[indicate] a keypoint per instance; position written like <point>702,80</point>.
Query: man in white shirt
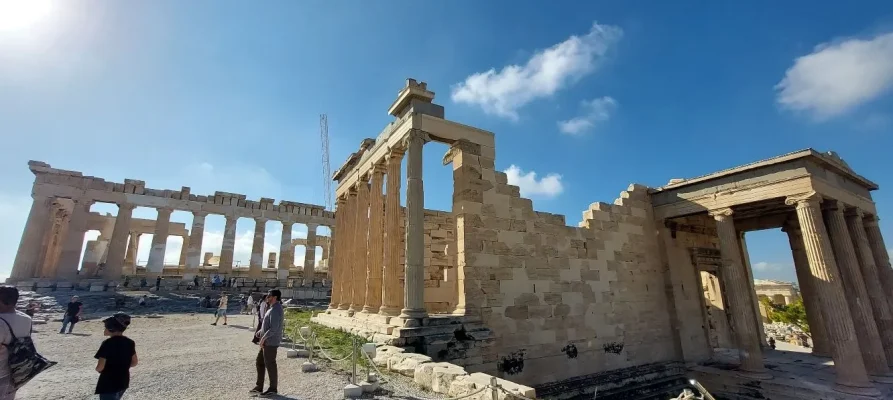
<point>20,323</point>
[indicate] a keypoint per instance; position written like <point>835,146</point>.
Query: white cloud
<point>595,111</point>
<point>545,73</point>
<point>767,266</point>
<point>548,186</point>
<point>839,76</point>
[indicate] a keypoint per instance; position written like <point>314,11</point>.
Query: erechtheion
<point>60,215</point>
<point>618,301</point>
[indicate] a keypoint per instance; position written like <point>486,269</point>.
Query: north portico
<point>840,258</point>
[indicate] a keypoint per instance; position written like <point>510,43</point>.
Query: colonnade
<point>32,256</point>
<point>843,269</point>
<point>367,257</point>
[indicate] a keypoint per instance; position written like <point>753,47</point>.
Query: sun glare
<point>18,15</point>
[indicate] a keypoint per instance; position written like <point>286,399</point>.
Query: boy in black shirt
<point>116,355</point>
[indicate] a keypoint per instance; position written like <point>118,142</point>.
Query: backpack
<point>24,362</point>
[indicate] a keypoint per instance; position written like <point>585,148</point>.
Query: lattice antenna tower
<point>326,166</point>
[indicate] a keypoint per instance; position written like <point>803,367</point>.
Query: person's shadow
<point>240,327</point>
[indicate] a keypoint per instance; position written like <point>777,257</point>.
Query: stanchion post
<point>354,361</point>
<point>494,388</point>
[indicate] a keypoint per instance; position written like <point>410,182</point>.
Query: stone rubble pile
<point>786,332</point>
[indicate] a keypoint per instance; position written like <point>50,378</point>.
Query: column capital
<point>870,220</point>
<point>231,218</point>
<point>166,210</point>
<point>199,213</point>
<point>415,136</point>
<point>260,220</point>
<point>379,169</point>
<point>84,203</point>
<point>396,153</point>
<point>287,223</point>
<point>362,179</point>
<point>126,206</point>
<point>854,213</point>
<point>721,214</point>
<point>804,200</point>
<point>341,200</point>
<point>352,191</point>
<point>311,226</point>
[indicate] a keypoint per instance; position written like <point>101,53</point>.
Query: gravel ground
<point>183,357</point>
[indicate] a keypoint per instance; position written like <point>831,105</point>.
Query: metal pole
<point>354,376</point>
<point>494,392</point>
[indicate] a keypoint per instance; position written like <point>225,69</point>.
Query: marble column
<point>392,290</point>
<point>854,288</point>
<point>310,255</point>
<point>155,265</point>
<point>376,241</point>
<point>361,244</point>
<point>879,303</point>
<point>807,284</point>
<point>133,244</point>
<point>256,265</point>
<point>736,288</point>
<point>348,263</point>
<point>29,254</point>
<point>114,267</point>
<point>69,259</point>
<point>184,250</point>
<point>286,251</point>
<point>848,363</point>
<point>54,239</point>
<point>225,265</point>
<point>414,288</point>
<point>881,257</point>
<point>194,250</point>
<point>336,266</point>
<point>758,321</point>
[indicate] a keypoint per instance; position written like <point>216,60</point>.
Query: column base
<point>760,376</point>
<point>886,378</point>
<point>282,274</point>
<point>869,391</point>
<point>389,311</point>
<point>413,317</point>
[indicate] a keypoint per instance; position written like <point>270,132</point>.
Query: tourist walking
<point>72,314</point>
<point>195,281</point>
<point>221,309</point>
<point>157,283</point>
<point>249,309</point>
<point>115,357</point>
<point>269,337</point>
<point>18,325</point>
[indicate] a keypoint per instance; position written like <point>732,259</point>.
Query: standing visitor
<point>157,283</point>
<point>270,336</point>
<point>32,309</point>
<point>17,324</point>
<point>72,314</point>
<point>221,309</point>
<point>250,309</point>
<point>115,357</point>
<point>195,281</point>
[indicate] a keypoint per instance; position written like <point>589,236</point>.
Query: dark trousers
<point>266,362</point>
<point>112,396</point>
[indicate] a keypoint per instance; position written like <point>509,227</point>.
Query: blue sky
<point>222,95</point>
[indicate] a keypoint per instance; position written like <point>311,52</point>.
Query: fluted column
<point>29,254</point>
<point>737,292</point>
<point>758,322</point>
<point>335,265</point>
<point>194,248</point>
<point>811,302</point>
<point>54,237</point>
<point>361,244</point>
<point>286,250</point>
<point>881,257</point>
<point>855,292</point>
<point>392,290</point>
<point>256,264</point>
<point>310,255</point>
<point>114,266</point>
<point>348,264</point>
<point>414,287</point>
<point>879,303</point>
<point>184,250</point>
<point>155,265</point>
<point>133,244</point>
<point>225,265</point>
<point>376,243</point>
<point>848,363</point>
<point>69,259</point>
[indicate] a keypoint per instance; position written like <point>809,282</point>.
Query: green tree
<point>794,313</point>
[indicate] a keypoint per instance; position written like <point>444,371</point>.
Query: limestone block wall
<point>561,301</point>
<point>440,260</point>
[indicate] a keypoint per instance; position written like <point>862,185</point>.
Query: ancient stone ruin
<point>50,251</point>
<point>622,301</point>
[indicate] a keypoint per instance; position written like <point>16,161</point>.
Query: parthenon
<point>616,302</point>
<point>60,216</point>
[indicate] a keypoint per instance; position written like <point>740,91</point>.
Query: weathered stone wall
<point>440,259</point>
<point>561,301</point>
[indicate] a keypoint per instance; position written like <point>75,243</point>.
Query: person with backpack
<point>115,357</point>
<point>19,361</point>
